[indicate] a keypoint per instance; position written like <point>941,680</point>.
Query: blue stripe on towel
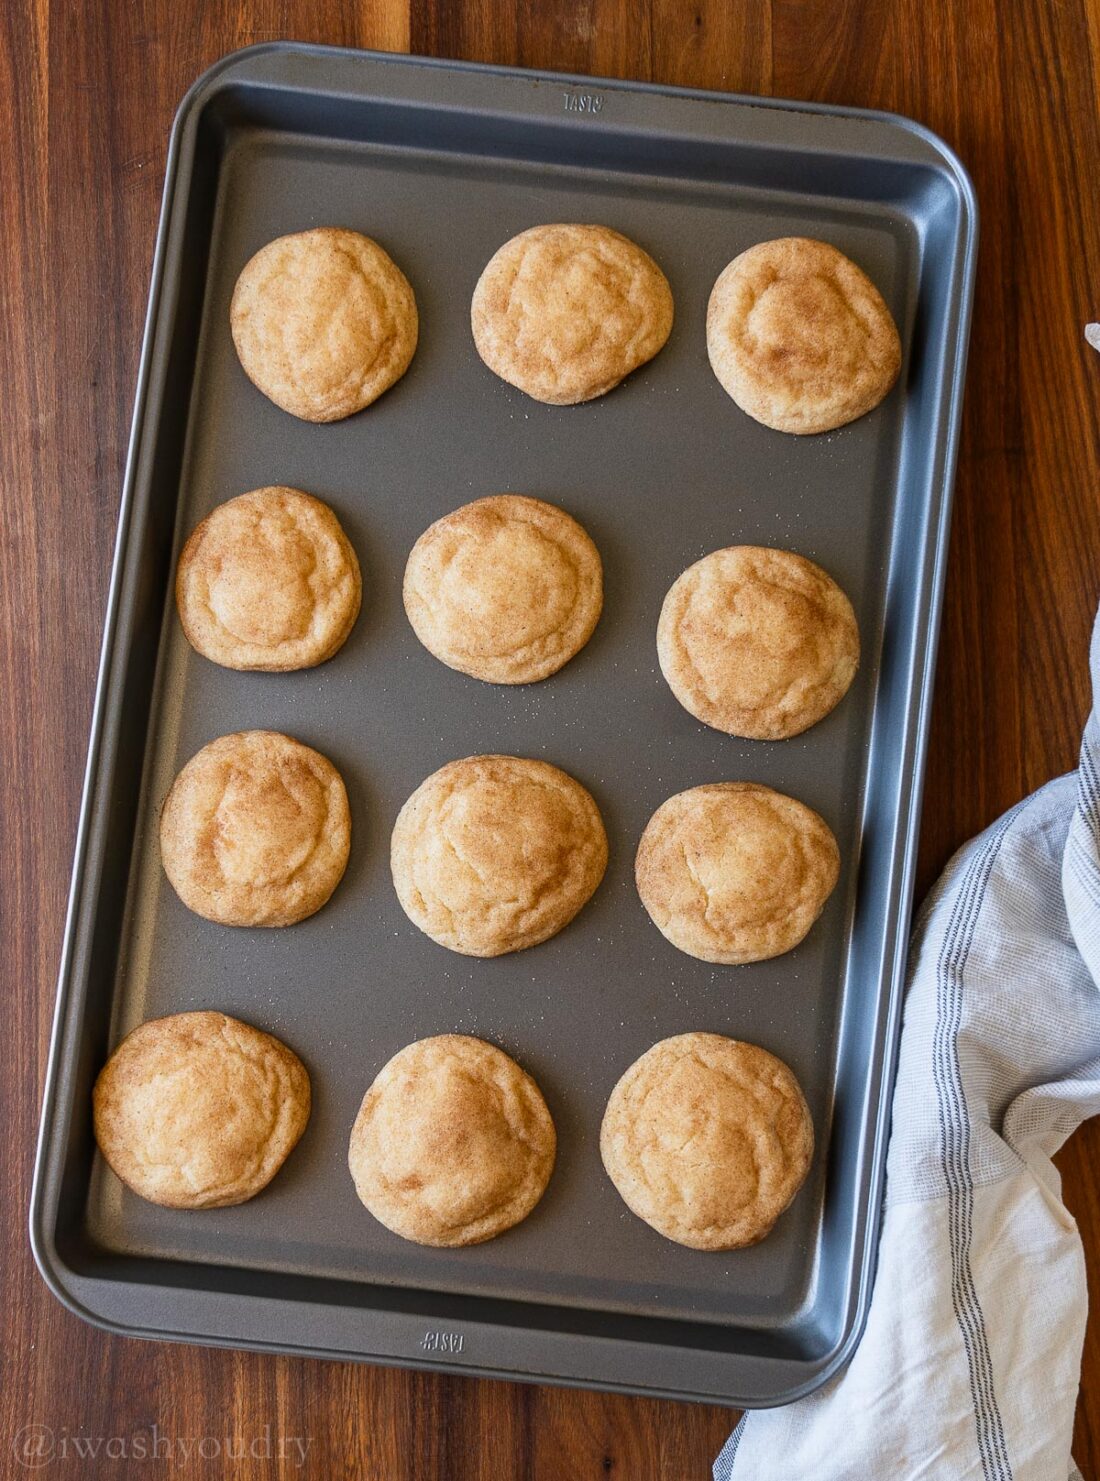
<point>955,1134</point>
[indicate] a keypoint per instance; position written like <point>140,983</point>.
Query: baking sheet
<point>441,163</point>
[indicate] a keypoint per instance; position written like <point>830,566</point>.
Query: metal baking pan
<point>442,162</point>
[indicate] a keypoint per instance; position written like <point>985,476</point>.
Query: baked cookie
<point>268,581</point>
<point>733,872</point>
<point>506,589</point>
<point>453,1143</point>
<point>565,312</point>
<point>199,1110</point>
<point>255,830</point>
<point>324,321</point>
<point>496,853</point>
<point>708,1140</point>
<point>757,643</point>
<point>799,336</point>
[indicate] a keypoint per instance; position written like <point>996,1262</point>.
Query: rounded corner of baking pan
<point>54,1270</point>
<point>947,159</point>
<point>234,66</point>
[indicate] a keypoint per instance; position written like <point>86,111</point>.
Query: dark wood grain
<point>88,93</point>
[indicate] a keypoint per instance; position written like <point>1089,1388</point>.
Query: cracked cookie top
<point>734,872</point>
<point>496,853</point>
<point>256,830</point>
<point>565,312</point>
<point>800,337</point>
<point>453,1143</point>
<point>506,589</point>
<point>708,1140</point>
<point>323,322</point>
<point>268,581</point>
<point>757,643</point>
<point>199,1110</point>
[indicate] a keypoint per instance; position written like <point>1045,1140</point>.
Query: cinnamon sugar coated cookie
<point>708,1140</point>
<point>324,321</point>
<point>268,581</point>
<point>800,337</point>
<point>565,312</point>
<point>506,589</point>
<point>733,872</point>
<point>256,830</point>
<point>453,1143</point>
<point>199,1110</point>
<point>496,853</point>
<point>757,643</point>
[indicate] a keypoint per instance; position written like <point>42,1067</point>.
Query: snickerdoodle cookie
<point>496,853</point>
<point>733,872</point>
<point>506,589</point>
<point>453,1143</point>
<point>256,830</point>
<point>268,581</point>
<point>799,336</point>
<point>324,321</point>
<point>759,643</point>
<point>199,1110</point>
<point>708,1140</point>
<point>564,312</point>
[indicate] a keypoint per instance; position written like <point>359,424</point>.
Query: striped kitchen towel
<point>971,1359</point>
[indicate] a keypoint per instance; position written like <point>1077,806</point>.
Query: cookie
<point>506,589</point>
<point>268,581</point>
<point>255,830</point>
<point>708,1140</point>
<point>496,853</point>
<point>758,643</point>
<point>799,336</point>
<point>199,1110</point>
<point>324,321</point>
<point>733,872</point>
<point>453,1143</point>
<point>565,312</point>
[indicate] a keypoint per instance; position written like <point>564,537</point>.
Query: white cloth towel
<point>971,1358</point>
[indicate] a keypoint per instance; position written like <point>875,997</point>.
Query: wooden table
<point>88,93</point>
